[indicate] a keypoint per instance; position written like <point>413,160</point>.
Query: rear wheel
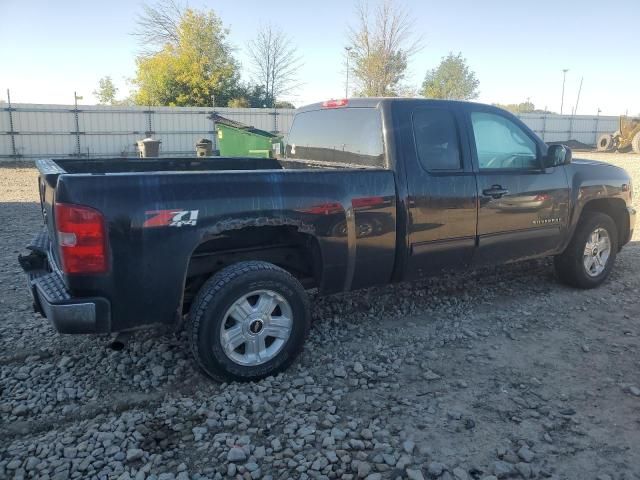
<point>635,143</point>
<point>248,321</point>
<point>590,256</point>
<point>605,143</point>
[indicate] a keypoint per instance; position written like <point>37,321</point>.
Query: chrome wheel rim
<point>596,252</point>
<point>256,327</point>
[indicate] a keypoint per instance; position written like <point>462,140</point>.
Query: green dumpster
<point>238,140</point>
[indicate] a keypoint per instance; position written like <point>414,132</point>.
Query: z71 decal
<point>171,218</point>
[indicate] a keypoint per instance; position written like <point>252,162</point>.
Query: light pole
<point>564,77</point>
<point>346,89</point>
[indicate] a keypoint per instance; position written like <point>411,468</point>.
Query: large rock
<point>236,455</point>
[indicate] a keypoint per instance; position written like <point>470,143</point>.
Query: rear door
<point>522,206</point>
<point>441,188</point>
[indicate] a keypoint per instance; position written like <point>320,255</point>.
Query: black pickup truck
<point>369,191</point>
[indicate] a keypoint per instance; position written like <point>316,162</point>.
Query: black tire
<point>635,143</point>
<point>219,293</point>
<point>569,265</point>
<point>605,143</point>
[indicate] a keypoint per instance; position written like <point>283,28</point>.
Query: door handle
<point>496,191</point>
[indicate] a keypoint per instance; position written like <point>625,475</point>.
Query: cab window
<point>351,136</point>
<point>436,138</point>
<point>501,144</point>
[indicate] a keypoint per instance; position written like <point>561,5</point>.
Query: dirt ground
<point>496,373</point>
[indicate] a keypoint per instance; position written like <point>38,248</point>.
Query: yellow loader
<point>626,138</point>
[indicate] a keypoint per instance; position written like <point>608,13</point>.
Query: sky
<point>518,49</point>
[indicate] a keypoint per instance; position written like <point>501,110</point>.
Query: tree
<point>253,96</point>
<point>451,80</point>
<point>158,25</point>
<point>285,105</point>
<point>191,69</point>
<point>381,46</point>
<point>275,62</point>
<point>523,107</point>
<point>240,102</point>
<point>106,91</point>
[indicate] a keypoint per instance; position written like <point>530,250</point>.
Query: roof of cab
<point>373,102</point>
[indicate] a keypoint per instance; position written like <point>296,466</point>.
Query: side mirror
<point>557,155</point>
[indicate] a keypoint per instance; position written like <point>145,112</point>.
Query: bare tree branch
<point>274,62</point>
<point>158,25</point>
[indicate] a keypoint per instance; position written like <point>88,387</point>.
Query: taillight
<point>335,103</point>
<point>81,239</point>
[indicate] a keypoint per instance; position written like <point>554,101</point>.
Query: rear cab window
<point>340,136</point>
<point>437,141</point>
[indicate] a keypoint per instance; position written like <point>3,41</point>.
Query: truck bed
<point>168,219</point>
<point>209,164</point>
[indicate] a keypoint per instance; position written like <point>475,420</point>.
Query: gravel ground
<point>498,373</point>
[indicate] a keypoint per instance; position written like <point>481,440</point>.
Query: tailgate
<point>47,183</point>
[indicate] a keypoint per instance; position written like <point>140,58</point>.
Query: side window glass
<point>350,136</point>
<point>436,138</point>
<point>501,144</point>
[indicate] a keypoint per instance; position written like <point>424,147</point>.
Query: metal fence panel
<point>105,131</point>
<point>109,145</point>
<point>558,128</point>
<point>44,146</point>
<point>5,146</point>
<point>41,118</point>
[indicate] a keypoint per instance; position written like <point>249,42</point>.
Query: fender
<point>591,181</point>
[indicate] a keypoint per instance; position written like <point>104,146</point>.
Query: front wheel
<point>248,321</point>
<point>590,256</point>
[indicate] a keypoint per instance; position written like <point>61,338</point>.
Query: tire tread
<point>212,288</point>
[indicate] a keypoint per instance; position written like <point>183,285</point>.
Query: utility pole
<point>77,97</point>
<point>578,99</point>
<point>346,89</point>
<point>564,77</point>
<point>14,150</point>
<point>214,147</point>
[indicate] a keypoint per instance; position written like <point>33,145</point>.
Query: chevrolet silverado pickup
<point>369,191</point>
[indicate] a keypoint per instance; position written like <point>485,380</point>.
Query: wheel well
<point>616,209</point>
<point>284,246</point>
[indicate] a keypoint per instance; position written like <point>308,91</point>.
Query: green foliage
<point>240,102</point>
<point>285,105</point>
<point>451,80</point>
<point>523,107</point>
<point>381,45</point>
<point>190,70</point>
<point>253,96</point>
<point>106,91</point>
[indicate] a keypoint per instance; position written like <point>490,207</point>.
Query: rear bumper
<point>66,313</point>
<point>51,298</point>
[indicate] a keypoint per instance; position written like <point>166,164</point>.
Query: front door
<point>441,191</point>
<point>522,206</point>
